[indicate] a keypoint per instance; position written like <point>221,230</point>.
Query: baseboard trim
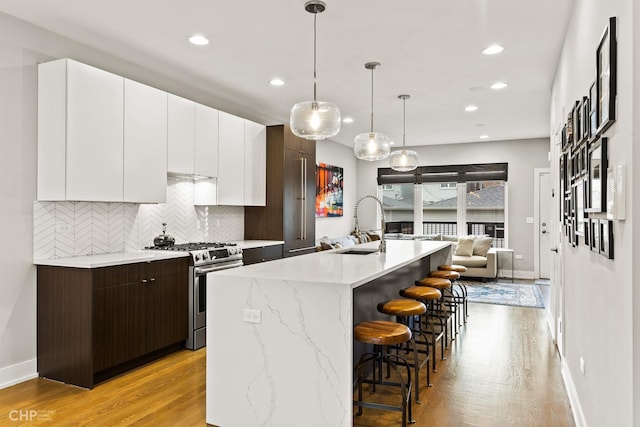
<point>517,274</point>
<point>20,372</point>
<point>576,407</point>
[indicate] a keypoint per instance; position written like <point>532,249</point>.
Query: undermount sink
<point>358,251</point>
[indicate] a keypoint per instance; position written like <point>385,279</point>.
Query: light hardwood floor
<point>501,371</point>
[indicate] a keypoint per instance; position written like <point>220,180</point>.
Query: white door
<point>544,225</point>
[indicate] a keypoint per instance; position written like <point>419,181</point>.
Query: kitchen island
<point>280,343</point>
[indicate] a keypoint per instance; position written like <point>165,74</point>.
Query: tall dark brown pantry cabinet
<point>290,211</point>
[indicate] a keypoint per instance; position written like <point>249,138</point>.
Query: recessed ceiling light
<point>484,136</point>
<point>470,108</point>
<point>347,120</point>
<point>493,49</point>
<point>276,82</point>
<point>499,85</point>
<point>198,40</point>
<point>392,143</point>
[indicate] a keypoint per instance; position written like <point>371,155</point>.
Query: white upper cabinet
<point>231,160</point>
<point>193,138</point>
<point>181,135</point>
<point>80,132</point>
<point>206,141</point>
<point>145,143</point>
<point>255,164</point>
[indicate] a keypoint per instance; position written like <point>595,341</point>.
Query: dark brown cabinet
<point>96,323</point>
<point>290,211</point>
<point>262,254</point>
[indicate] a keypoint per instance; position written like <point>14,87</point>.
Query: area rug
<point>502,293</point>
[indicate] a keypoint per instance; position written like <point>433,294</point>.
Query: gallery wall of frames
<point>593,190</point>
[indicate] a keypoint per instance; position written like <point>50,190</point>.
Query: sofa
<point>474,252</point>
<point>326,243</point>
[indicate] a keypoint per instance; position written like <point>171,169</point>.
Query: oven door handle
<point>198,271</point>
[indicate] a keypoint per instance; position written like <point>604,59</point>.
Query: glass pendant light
<point>372,145</point>
<point>403,160</point>
<point>315,119</point>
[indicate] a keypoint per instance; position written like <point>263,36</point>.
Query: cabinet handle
<point>144,281</point>
<point>302,188</point>
<point>304,201</point>
<point>152,280</point>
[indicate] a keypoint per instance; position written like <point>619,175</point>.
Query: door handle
<point>544,231</point>
<point>554,250</point>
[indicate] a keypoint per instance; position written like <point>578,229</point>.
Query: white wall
<point>598,293</point>
<point>523,156</point>
<point>17,192</point>
<point>335,154</point>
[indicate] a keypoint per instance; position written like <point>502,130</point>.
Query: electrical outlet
<point>519,256</point>
<point>582,365</point>
<point>252,316</point>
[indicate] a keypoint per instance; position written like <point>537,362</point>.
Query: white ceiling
<point>430,49</point>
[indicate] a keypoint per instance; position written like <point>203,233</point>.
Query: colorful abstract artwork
<point>329,191</point>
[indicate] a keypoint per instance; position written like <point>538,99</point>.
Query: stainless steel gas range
<point>206,257</point>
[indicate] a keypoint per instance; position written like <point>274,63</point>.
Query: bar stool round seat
<point>453,267</point>
<point>421,293</point>
<point>434,282</point>
<point>402,307</point>
<point>445,274</point>
<point>381,332</point>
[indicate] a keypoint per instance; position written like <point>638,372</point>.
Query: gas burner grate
<point>192,246</point>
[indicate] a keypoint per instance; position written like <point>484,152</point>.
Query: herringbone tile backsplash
<point>82,228</point>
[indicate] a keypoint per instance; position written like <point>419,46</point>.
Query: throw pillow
<point>465,247</point>
<point>481,245</point>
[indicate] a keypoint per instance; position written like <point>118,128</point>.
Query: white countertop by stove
<point>110,259</point>
<point>334,267</point>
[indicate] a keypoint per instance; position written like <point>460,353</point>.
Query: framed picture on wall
<point>587,232</point>
<point>577,123</point>
<point>578,191</point>
<point>595,235</point>
<point>593,111</point>
<point>597,165</point>
<point>570,129</point>
<point>606,58</point>
<point>586,125</point>
<point>606,238</point>
<point>329,191</point>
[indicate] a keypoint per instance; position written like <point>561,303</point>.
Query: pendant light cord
<point>372,99</point>
<point>404,120</point>
<point>315,19</point>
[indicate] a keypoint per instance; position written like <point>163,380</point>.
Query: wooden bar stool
<point>452,296</point>
<point>445,306</point>
<point>463,289</point>
<point>381,334</point>
<point>408,312</point>
<point>428,296</point>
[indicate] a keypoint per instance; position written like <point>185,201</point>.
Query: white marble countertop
<point>248,244</point>
<point>110,259</point>
<point>333,267</point>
